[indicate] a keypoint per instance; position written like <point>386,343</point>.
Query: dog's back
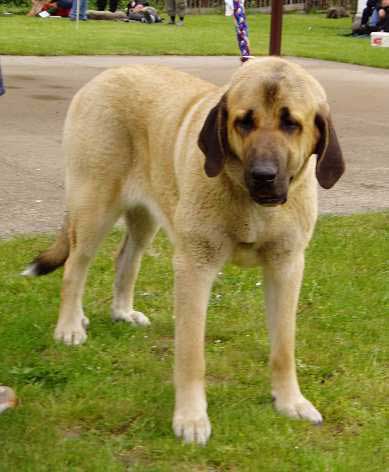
<point>119,140</point>
<point>121,124</point>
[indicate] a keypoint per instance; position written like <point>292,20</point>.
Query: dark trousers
<point>368,11</point>
<point>113,4</point>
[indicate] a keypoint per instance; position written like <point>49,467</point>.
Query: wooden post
<point>276,28</point>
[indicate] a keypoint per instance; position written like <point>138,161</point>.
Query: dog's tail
<point>55,256</point>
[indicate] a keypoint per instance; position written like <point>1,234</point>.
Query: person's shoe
<point>171,22</point>
<point>180,23</point>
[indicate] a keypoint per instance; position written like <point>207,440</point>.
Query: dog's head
<point>264,129</point>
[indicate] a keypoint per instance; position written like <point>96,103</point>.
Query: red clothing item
<point>53,9</point>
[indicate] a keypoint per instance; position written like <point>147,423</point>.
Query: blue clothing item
<point>64,3</point>
<point>83,10</point>
<point>2,89</point>
<point>374,19</point>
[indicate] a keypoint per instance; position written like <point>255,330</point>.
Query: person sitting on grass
<point>136,6</point>
<point>369,15</point>
<point>58,8</point>
<point>371,20</point>
<point>176,8</point>
<point>140,10</point>
<point>383,15</point>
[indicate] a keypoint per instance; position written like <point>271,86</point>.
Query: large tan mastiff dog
<point>230,174</point>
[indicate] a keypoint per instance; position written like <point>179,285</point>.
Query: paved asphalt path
<point>39,90</point>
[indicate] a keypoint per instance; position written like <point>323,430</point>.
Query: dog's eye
<point>288,123</point>
<point>246,123</point>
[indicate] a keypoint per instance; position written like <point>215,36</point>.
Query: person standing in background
<point>83,13</point>
<point>176,8</point>
<point>102,4</point>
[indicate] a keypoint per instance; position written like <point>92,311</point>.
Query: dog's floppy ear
<point>330,164</point>
<point>213,140</point>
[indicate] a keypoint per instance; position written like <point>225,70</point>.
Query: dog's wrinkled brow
<point>270,92</point>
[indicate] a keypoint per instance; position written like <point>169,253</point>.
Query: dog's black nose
<point>265,173</point>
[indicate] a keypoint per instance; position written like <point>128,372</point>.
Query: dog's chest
<point>256,235</point>
<point>246,255</point>
<point>249,234</point>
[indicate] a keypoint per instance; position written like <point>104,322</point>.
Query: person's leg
<point>83,9</point>
<point>73,10</point>
<point>181,11</point>
<point>65,4</point>
<point>113,5</point>
<point>366,13</point>
<point>101,4</point>
<point>170,6</point>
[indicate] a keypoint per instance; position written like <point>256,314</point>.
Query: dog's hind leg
<point>141,228</point>
<point>91,216</point>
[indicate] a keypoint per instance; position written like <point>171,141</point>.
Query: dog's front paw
<point>192,428</point>
<point>130,316</point>
<point>72,334</point>
<point>300,408</point>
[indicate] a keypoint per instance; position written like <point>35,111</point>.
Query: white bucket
<point>379,40</point>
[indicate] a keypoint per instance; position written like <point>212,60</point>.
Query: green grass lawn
<point>107,405</point>
<point>304,35</point>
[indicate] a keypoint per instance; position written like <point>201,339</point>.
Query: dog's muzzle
<point>264,184</point>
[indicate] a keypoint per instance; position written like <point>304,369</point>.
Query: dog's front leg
<point>283,277</point>
<point>193,283</point>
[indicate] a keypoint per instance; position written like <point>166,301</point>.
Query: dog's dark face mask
<point>268,156</point>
